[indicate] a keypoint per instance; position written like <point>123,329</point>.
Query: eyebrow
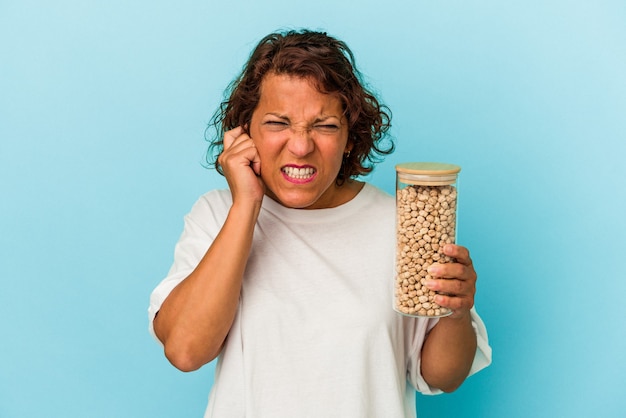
<point>319,119</point>
<point>278,115</point>
<point>325,118</point>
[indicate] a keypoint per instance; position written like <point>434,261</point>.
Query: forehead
<point>295,91</point>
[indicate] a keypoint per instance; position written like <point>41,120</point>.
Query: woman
<point>286,277</point>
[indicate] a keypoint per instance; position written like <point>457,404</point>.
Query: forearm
<point>448,353</point>
<point>196,317</point>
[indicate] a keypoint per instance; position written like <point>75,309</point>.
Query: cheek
<point>336,151</point>
<point>268,146</point>
<point>334,159</point>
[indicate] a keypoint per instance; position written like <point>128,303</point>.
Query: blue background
<point>103,106</point>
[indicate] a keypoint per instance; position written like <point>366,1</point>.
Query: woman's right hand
<point>241,165</point>
<point>196,317</point>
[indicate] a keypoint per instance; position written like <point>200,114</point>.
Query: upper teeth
<point>299,173</point>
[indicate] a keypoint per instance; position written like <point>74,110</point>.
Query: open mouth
<point>296,173</point>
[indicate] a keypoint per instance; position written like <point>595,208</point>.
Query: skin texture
<point>449,349</point>
<point>294,126</point>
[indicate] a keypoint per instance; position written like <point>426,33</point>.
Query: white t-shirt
<point>315,334</point>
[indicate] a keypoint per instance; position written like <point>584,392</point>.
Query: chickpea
<point>430,212</point>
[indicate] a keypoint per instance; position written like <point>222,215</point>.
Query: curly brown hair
<point>331,64</point>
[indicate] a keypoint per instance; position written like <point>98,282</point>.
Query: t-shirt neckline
<point>352,206</point>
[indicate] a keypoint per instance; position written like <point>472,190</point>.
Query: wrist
<point>458,317</point>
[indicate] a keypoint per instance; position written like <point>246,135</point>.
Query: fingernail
<point>430,283</point>
<point>433,270</point>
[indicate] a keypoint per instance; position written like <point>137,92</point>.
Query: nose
<point>300,142</point>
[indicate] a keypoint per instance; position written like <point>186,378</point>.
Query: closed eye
<point>275,125</point>
<point>327,128</point>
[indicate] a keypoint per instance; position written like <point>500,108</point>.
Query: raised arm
<point>195,318</point>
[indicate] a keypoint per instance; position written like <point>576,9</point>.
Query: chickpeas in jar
<point>426,203</point>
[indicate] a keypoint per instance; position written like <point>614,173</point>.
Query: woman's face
<point>301,137</point>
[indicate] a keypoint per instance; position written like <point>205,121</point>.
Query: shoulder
<point>217,197</point>
<point>378,197</point>
<point>213,204</point>
<point>377,192</point>
<point>373,205</point>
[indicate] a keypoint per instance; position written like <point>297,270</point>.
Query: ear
<point>348,148</point>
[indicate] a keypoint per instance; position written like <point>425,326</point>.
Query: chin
<point>295,202</point>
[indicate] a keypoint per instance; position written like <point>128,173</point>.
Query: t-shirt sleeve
<point>416,330</point>
<point>201,226</point>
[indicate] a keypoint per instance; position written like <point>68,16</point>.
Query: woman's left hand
<point>454,282</point>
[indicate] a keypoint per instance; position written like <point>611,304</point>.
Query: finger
<point>449,286</point>
<point>450,271</point>
<point>454,303</point>
<point>243,143</point>
<point>459,253</point>
<point>256,164</point>
<point>452,287</point>
<point>242,152</point>
<point>231,136</point>
<point>237,147</point>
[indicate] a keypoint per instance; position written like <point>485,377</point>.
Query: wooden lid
<point>427,173</point>
<point>428,168</point>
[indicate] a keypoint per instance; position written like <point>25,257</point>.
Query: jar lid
<point>427,173</point>
<point>428,168</point>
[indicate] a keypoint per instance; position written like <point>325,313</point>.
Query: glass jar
<point>426,202</point>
